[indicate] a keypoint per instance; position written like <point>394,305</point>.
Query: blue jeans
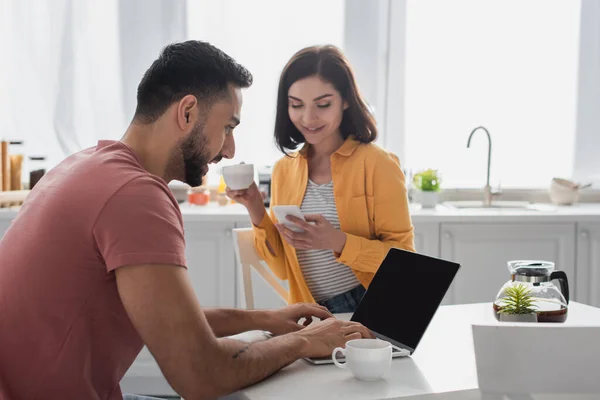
<point>345,302</point>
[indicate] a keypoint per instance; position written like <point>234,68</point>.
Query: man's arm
<point>163,308</point>
<point>228,321</point>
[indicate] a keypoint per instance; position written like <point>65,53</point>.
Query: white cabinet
<point>4,224</point>
<point>427,242</point>
<point>211,262</point>
<point>588,263</point>
<point>427,238</point>
<point>484,249</point>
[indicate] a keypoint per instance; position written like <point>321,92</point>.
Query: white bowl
<point>238,177</point>
<point>179,190</point>
<point>563,192</point>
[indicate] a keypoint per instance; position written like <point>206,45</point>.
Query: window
<point>262,36</point>
<point>510,66</point>
<point>60,79</point>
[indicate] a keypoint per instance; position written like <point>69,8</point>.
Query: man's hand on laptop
<point>324,336</point>
<point>286,319</point>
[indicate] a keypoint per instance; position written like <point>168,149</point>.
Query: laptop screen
<point>404,296</point>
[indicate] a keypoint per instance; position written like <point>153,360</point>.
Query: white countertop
<point>584,212</point>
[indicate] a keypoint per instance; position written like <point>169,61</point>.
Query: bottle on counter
<point>214,193</point>
<point>199,195</point>
<point>264,184</point>
<point>16,164</point>
<point>222,185</point>
<point>37,169</point>
<point>222,199</point>
<point>5,167</point>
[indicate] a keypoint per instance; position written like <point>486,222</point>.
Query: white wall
<point>395,106</point>
<point>366,46</point>
<point>146,27</point>
<point>587,146</point>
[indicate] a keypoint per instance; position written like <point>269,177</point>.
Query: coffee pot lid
<point>530,267</point>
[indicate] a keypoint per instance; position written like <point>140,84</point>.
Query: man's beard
<point>191,164</point>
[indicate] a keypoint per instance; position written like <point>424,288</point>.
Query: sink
<point>498,206</point>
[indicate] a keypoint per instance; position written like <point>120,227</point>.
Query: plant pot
<point>518,317</point>
<point>428,199</point>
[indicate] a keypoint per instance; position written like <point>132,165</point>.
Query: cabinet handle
<point>584,235</point>
<point>447,235</point>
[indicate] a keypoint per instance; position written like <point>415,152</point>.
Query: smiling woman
<point>318,94</point>
<point>353,215</point>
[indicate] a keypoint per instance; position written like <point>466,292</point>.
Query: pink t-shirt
<point>64,333</point>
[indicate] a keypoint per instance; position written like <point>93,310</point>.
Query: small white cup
<point>367,359</point>
<point>563,192</point>
<point>238,177</point>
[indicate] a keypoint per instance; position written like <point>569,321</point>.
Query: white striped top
<point>325,277</point>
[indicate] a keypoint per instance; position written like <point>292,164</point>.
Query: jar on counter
<point>37,169</point>
<point>16,164</point>
<point>264,184</point>
<point>5,168</point>
<point>199,195</point>
<point>223,199</point>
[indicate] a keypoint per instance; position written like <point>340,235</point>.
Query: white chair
<point>248,259</point>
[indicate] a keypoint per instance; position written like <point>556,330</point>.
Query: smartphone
<point>281,212</point>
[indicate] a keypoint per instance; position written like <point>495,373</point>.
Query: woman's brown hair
<point>330,64</point>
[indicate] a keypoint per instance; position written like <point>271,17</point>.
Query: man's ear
<point>187,112</point>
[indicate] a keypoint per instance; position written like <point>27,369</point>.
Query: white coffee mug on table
<point>367,359</point>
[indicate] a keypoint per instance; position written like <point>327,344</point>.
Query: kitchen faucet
<point>487,190</point>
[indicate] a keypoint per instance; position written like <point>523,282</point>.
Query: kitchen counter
<point>583,212</point>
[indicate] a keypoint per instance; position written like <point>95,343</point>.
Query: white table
<point>442,368</point>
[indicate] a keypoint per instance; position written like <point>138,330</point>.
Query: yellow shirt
<point>372,205</point>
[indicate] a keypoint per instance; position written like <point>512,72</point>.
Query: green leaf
<point>427,180</point>
<point>517,300</point>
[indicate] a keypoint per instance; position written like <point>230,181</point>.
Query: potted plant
<point>517,305</point>
<point>428,183</point>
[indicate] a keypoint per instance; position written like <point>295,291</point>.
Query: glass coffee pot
<point>548,300</point>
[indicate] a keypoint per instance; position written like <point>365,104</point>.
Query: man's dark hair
<point>191,67</point>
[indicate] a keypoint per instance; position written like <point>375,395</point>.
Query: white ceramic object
<point>367,359</point>
<point>518,317</point>
<point>238,177</point>
<point>428,199</point>
<point>563,192</point>
<point>549,361</point>
<point>180,190</point>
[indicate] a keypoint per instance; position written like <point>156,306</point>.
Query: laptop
<point>402,299</point>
